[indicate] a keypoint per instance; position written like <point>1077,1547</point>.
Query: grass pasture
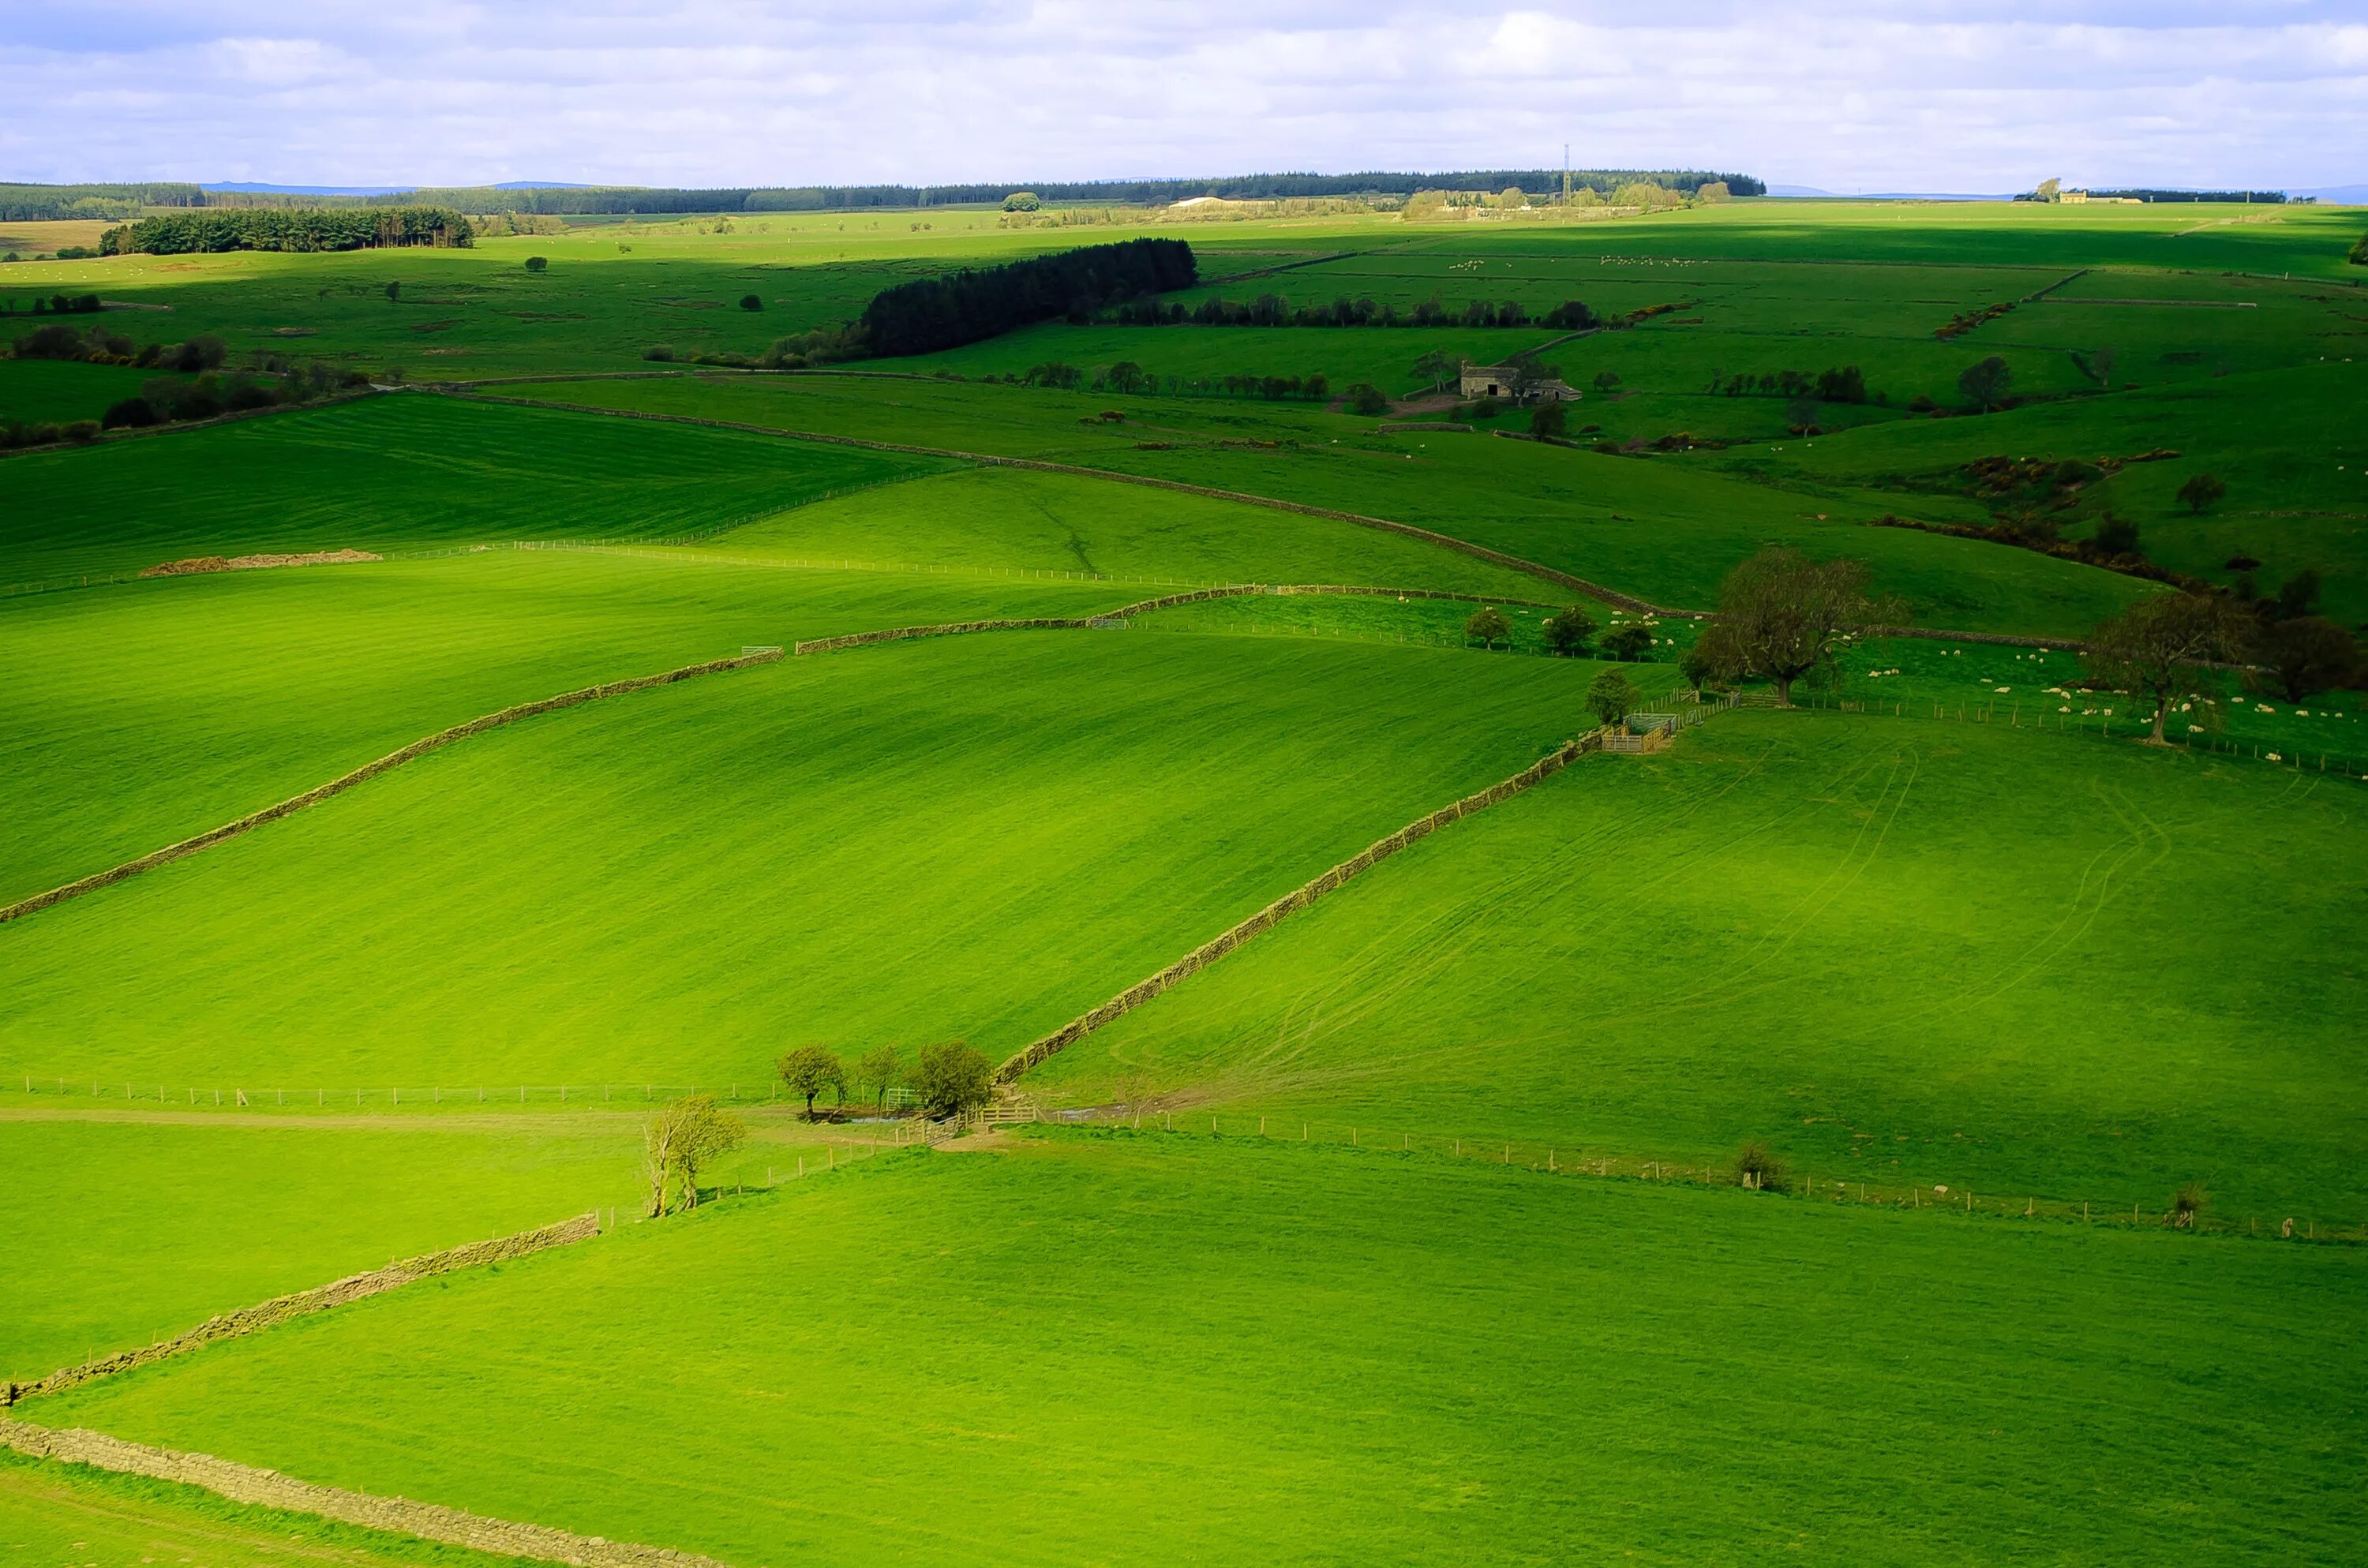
<point>1477,1363</point>
<point>1897,950</point>
<point>975,836</point>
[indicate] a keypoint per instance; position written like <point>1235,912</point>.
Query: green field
<point>1412,1229</point>
<point>1071,1348</point>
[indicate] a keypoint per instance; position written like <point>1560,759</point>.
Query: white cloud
<point>1868,94</point>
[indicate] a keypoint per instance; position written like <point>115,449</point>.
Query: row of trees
<point>1126,375</point>
<point>1274,310</point>
<point>932,313</point>
<point>301,229</point>
<point>56,305</point>
<point>1841,383</point>
<point>946,1079</point>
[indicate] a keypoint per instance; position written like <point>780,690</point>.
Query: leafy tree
<point>685,1135</point>
<point>1698,668</point>
<point>2359,251</point>
<point>1571,315</point>
<point>877,1070</point>
<point>394,292</point>
<point>537,263</point>
<point>1801,414</point>
<point>1779,614</point>
<point>1568,631</point>
<point>1022,201</point>
<point>2298,595</point>
<point>1628,642</point>
<point>1126,375</point>
<point>1606,380</point>
<point>952,1078</point>
<point>1986,383</point>
<point>2202,490</point>
<point>1613,698</point>
<point>809,1070</point>
<point>1488,625</point>
<point>2049,190</point>
<point>2301,655</point>
<point>1550,420</point>
<point>751,303</point>
<point>1367,399</point>
<point>2158,647</point>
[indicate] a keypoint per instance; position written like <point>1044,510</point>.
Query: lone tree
<point>2301,655</point>
<point>1489,625</point>
<point>2360,251</point>
<point>537,263</point>
<point>1986,383</point>
<point>1627,643</point>
<point>1367,399</point>
<point>2201,491</point>
<point>1568,631</point>
<point>952,1078</point>
<point>877,1070</point>
<point>1779,614</point>
<point>1550,420</point>
<point>2159,646</point>
<point>751,303</point>
<point>809,1070</point>
<point>1613,698</point>
<point>688,1134</point>
<point>2100,362</point>
<point>1437,365</point>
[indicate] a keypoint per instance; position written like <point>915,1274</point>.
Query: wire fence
<point>1839,1190</point>
<point>389,1097</point>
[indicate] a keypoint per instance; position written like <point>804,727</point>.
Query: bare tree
<point>685,1135</point>
<point>2160,645</point>
<point>1437,365</point>
<point>1779,614</point>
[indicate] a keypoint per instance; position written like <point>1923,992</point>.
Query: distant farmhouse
<point>1505,381</point>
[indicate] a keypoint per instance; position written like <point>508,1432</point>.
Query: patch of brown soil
<point>198,564</point>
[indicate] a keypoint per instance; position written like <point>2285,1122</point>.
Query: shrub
<point>80,431</point>
<point>1568,631</point>
<point>659,352</point>
<point>751,303</point>
<point>2301,654</point>
<point>2359,251</point>
<point>1628,642</point>
<point>56,341</point>
<point>1757,1168</point>
<point>2116,535</point>
<point>952,1078</point>
<point>2202,490</point>
<point>537,263</point>
<point>2187,1205</point>
<point>1550,420</point>
<point>1606,380</point>
<point>2241,563</point>
<point>131,414</point>
<point>1920,403</point>
<point>1366,398</point>
<point>1488,626</point>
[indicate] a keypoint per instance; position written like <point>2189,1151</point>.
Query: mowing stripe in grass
<point>1291,903</point>
<point>269,1488</point>
<point>370,770</point>
<point>319,1299</point>
<point>987,460</point>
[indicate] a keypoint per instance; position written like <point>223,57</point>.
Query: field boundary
<point>1290,904</point>
<point>987,460</point>
<point>319,1299</point>
<point>367,771</point>
<point>269,1489</point>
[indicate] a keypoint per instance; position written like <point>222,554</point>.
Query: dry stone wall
<point>320,1298</point>
<point>1290,904</point>
<point>269,1489</point>
<point>367,771</point>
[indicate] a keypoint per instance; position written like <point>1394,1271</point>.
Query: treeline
<point>199,392</point>
<point>1126,375</point>
<point>1844,383</point>
<point>54,204</point>
<point>932,313</point>
<point>298,229</point>
<point>56,305</point>
<point>1273,310</point>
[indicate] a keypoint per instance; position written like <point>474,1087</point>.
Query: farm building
<point>1499,381</point>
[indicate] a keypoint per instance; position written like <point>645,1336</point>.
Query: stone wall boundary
<point>318,1298</point>
<point>269,1489</point>
<point>1290,904</point>
<point>367,771</point>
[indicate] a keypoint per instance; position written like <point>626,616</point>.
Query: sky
<point>1845,95</point>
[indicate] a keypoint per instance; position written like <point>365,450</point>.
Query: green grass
<point>1137,1348</point>
<point>404,472</point>
<point>972,836</point>
<point>998,518</point>
<point>53,1513</point>
<point>125,1231</point>
<point>1897,950</point>
<point>1664,529</point>
<point>147,711</point>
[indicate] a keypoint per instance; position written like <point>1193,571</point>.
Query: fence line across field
<point>229,1097</point>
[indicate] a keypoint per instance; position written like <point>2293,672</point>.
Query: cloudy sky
<point>1848,94</point>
